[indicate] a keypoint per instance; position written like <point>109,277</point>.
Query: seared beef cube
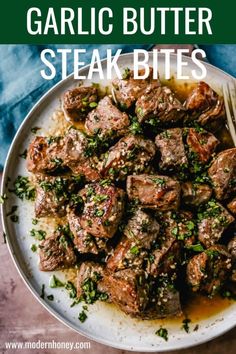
<point>223,174</point>
<point>127,254</point>
<point>129,290</point>
<point>160,104</point>
<point>207,271</point>
<point>52,195</point>
<point>103,209</point>
<point>89,280</point>
<point>171,146</point>
<point>205,104</point>
<point>154,191</point>
<point>232,248</point>
<point>140,234</point>
<point>232,206</point>
<point>106,120</point>
<point>77,157</point>
<point>202,144</point>
<point>128,90</point>
<point>164,257</point>
<point>131,155</point>
<point>165,303</point>
<point>213,221</point>
<point>78,101</point>
<point>83,241</point>
<point>56,252</point>
<point>44,154</point>
<point>194,194</point>
<point>143,229</point>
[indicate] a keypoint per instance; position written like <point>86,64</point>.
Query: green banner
<point>120,21</point>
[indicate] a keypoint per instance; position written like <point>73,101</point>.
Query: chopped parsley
<point>82,316</point>
<point>38,234</point>
<point>93,104</point>
<point>134,250</point>
<point>34,130</point>
<point>24,189</point>
<point>50,297</point>
<point>69,286</point>
<point>90,293</point>
<point>195,248</point>
<point>14,218</point>
<point>24,154</point>
<point>34,221</point>
<point>54,282</point>
<point>12,211</point>
<point>99,213</point>
<point>43,291</point>
<point>33,248</point>
<point>3,198</point>
<point>126,73</point>
<point>185,324</point>
<point>135,126</point>
<point>160,181</point>
<point>163,333</point>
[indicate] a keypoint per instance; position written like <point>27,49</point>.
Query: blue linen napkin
<point>21,84</point>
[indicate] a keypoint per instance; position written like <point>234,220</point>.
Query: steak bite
<point>139,235</point>
<point>84,241</point>
<point>103,209</point>
<point>56,252</point>
<point>223,174</point>
<point>161,104</point>
<point>44,154</point>
<point>128,89</point>
<point>78,101</point>
<point>53,195</point>
<point>204,104</point>
<point>207,271</point>
<point>213,221</point>
<point>171,146</point>
<point>154,191</point>
<point>76,155</point>
<point>106,120</point>
<point>130,155</point>
<point>128,289</point>
<point>194,194</point>
<point>202,144</point>
<point>90,286</point>
<point>232,206</point>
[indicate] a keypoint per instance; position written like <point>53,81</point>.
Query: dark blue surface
<point>21,84</point>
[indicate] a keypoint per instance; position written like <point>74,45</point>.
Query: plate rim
<point>20,269</point>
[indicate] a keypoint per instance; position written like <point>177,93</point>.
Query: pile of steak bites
<point>146,195</point>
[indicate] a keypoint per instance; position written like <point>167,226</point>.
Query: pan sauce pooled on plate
<point>148,192</point>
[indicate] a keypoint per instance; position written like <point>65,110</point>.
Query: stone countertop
<point>23,319</point>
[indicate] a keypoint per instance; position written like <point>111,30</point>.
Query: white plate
<point>105,324</point>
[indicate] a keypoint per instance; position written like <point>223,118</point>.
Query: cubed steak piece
<point>160,104</point>
<point>53,195</point>
<point>143,229</point>
<point>129,290</point>
<point>140,234</point>
<point>207,271</point>
<point>106,120</point>
<point>223,174</point>
<point>213,221</point>
<point>194,194</point>
<point>165,257</point>
<point>56,252</point>
<point>90,286</point>
<point>154,191</point>
<point>232,247</point>
<point>130,155</point>
<point>128,89</point>
<point>165,302</point>
<point>44,154</point>
<point>232,206</point>
<point>78,101</point>
<point>76,155</point>
<point>84,241</point>
<point>202,144</point>
<point>103,209</point>
<point>205,105</point>
<point>171,146</point>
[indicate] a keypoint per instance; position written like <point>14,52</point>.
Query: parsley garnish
<point>23,188</point>
<point>163,333</point>
<point>54,282</point>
